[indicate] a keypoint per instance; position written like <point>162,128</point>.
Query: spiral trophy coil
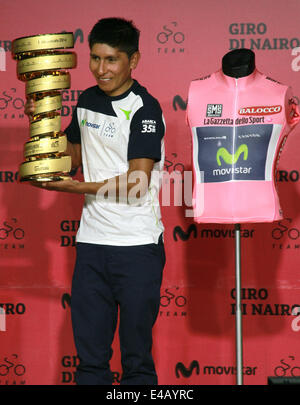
<point>41,64</point>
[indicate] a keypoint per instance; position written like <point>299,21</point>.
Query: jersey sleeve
<point>73,130</point>
<point>146,132</point>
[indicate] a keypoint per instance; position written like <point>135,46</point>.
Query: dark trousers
<point>107,279</point>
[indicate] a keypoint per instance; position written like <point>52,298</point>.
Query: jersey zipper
<point>234,126</point>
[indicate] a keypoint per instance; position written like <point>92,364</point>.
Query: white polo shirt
<point>112,131</point>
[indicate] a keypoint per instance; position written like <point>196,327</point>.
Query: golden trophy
<point>41,64</point>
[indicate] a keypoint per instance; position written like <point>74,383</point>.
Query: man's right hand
<point>29,107</point>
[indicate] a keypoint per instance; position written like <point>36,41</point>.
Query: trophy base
<point>50,169</point>
<point>52,177</point>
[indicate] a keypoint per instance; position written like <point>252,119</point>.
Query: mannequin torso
<point>239,119</point>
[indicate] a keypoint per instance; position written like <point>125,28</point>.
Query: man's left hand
<point>68,186</point>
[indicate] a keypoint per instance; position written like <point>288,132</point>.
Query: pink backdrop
<point>195,331</point>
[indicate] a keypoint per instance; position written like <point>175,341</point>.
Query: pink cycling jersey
<point>238,129</point>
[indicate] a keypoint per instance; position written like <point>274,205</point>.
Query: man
<point>116,133</point>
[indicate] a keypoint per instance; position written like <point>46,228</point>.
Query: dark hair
<point>117,33</point>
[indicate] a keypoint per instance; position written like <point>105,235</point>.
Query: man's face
<point>112,68</point>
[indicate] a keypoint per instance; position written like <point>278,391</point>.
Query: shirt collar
<point>241,82</point>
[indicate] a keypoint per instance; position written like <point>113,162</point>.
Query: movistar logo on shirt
<point>127,113</point>
<point>235,153</point>
<point>232,158</point>
<point>89,124</point>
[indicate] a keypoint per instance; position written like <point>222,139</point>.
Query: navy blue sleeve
<point>73,130</point>
<point>146,132</point>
